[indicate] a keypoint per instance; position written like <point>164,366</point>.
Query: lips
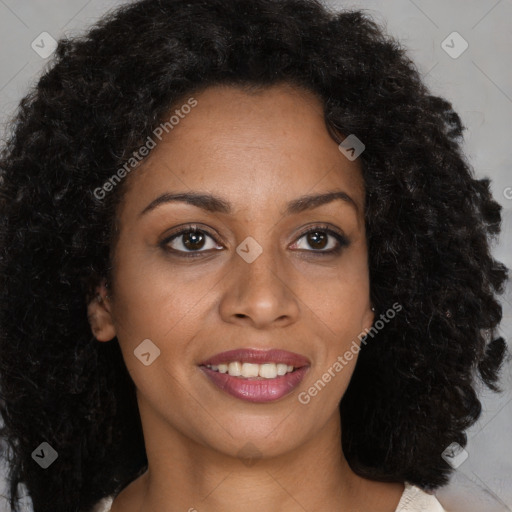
<point>258,357</point>
<point>258,390</point>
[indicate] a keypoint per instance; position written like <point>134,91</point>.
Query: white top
<point>413,500</point>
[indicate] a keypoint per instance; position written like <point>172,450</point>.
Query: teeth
<point>251,370</point>
<point>235,369</point>
<point>282,369</point>
<point>268,371</point>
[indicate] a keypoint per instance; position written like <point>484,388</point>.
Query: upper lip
<point>249,355</point>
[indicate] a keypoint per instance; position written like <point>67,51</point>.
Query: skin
<point>258,151</point>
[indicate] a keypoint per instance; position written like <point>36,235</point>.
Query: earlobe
<point>368,319</point>
<point>99,315</point>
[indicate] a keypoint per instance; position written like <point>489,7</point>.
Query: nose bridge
<point>259,267</point>
<point>260,263</point>
<point>258,286</point>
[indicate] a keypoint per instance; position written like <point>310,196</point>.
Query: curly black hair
<point>429,221</point>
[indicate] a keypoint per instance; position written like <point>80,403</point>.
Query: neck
<point>184,474</point>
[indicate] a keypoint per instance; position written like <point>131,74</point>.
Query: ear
<point>99,314</point>
<point>368,318</point>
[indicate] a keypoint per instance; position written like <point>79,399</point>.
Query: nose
<point>260,293</point>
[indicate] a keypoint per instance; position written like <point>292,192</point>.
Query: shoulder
<point>103,505</point>
<point>415,499</point>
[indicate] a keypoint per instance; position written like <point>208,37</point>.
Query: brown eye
<point>189,241</point>
<point>322,240</point>
<point>317,239</point>
<point>193,240</point>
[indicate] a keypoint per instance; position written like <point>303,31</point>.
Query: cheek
<point>336,314</point>
<point>162,302</point>
<point>152,294</point>
<point>339,298</point>
<point>156,311</point>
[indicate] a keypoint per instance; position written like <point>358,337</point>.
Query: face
<point>248,277</point>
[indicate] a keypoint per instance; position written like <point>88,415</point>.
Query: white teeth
<point>268,371</point>
<point>251,370</point>
<point>235,369</point>
<point>282,369</point>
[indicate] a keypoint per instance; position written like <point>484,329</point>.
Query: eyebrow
<point>215,204</point>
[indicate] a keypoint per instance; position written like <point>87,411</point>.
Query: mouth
<point>256,375</point>
<point>252,370</point>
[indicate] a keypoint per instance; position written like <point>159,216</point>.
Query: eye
<point>322,237</point>
<point>189,240</point>
<point>192,241</point>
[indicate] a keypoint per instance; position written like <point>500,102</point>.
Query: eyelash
<point>338,236</point>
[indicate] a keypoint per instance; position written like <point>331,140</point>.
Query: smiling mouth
<point>256,375</point>
<point>252,371</point>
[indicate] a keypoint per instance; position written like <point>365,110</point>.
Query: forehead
<point>254,146</point>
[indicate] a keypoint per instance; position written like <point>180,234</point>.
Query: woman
<point>244,265</point>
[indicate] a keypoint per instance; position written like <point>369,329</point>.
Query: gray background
<point>479,85</point>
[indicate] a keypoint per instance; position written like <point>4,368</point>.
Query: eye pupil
<point>317,239</point>
<point>192,238</point>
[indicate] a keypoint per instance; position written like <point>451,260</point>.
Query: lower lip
<point>256,390</point>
